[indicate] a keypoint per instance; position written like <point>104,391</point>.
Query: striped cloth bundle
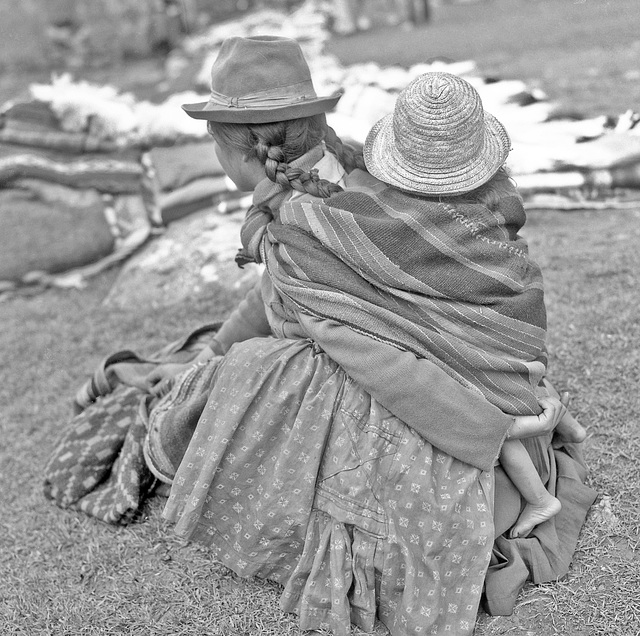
<point>33,123</point>
<point>113,173</point>
<point>450,282</point>
<point>186,178</point>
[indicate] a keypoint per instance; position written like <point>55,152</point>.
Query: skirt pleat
<point>296,474</point>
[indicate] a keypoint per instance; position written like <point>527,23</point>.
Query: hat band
<point>264,99</point>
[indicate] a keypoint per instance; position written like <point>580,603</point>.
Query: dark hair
<point>275,145</point>
<point>489,193</point>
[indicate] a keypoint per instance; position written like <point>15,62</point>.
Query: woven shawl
<point>452,283</point>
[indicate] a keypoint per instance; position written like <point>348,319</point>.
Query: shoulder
<point>361,181</point>
<point>359,186</point>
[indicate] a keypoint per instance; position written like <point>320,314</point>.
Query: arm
<point>554,410</point>
<point>555,419</point>
<point>457,420</point>
<point>248,320</point>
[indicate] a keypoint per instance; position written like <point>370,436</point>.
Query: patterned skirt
<point>296,474</point>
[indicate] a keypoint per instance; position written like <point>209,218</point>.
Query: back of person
<point>454,277</point>
<point>442,157</point>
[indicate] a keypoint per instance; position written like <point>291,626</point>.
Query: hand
<point>160,380</point>
<point>569,429</point>
<point>553,410</point>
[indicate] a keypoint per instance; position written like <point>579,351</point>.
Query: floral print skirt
<point>296,474</point>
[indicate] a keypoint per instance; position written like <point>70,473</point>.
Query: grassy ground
<point>62,573</point>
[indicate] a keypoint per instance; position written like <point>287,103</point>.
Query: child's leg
<point>540,503</point>
<point>570,430</point>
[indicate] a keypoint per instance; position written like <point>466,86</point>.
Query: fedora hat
<point>260,79</point>
<point>439,140</point>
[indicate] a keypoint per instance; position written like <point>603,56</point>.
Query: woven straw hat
<point>260,79</point>
<point>438,140</point>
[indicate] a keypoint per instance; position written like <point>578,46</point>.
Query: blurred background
<point>91,125</point>
<point>582,52</point>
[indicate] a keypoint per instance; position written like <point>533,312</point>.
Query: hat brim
<point>384,161</point>
<point>262,115</point>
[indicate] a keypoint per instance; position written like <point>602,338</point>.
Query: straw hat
<point>260,79</point>
<point>438,140</point>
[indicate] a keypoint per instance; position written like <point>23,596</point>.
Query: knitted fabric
<point>98,465</point>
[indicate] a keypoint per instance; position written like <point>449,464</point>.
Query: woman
<point>313,442</point>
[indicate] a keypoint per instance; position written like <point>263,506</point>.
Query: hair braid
<point>276,144</point>
<point>274,163</point>
<point>349,157</point>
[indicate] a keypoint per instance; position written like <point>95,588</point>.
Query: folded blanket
<point>33,123</point>
<point>98,464</point>
<point>204,192</point>
<point>112,173</point>
<point>41,235</point>
<point>31,113</point>
<point>48,228</point>
<point>176,166</point>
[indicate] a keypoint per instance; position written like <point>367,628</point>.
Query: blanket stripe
<point>452,283</point>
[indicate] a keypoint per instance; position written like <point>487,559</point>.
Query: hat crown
<point>261,65</point>
<point>439,118</point>
<point>439,139</point>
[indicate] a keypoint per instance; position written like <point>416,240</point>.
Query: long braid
<point>276,162</point>
<point>349,156</point>
<point>276,144</point>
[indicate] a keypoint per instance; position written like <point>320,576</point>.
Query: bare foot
<point>533,515</point>
<point>570,430</point>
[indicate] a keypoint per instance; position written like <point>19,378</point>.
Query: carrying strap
<point>129,368</point>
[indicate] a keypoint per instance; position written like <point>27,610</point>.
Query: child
<point>441,145</point>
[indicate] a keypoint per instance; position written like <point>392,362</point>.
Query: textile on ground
<point>99,196</point>
<point>98,464</point>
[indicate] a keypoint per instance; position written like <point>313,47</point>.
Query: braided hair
<point>275,145</point>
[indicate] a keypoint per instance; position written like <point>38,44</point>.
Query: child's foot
<point>569,430</point>
<point>533,515</point>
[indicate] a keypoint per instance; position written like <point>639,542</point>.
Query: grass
<point>589,259</point>
<point>64,574</point>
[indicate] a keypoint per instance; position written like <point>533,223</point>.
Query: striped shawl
<point>452,283</point>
